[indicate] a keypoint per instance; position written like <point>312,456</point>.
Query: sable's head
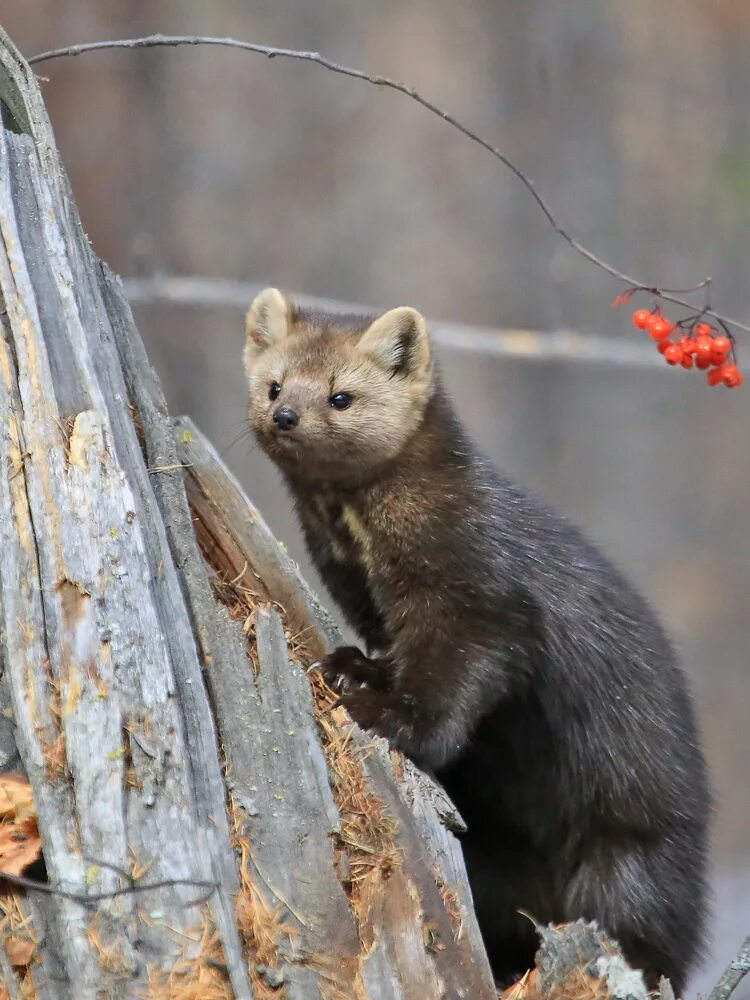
<point>334,397</point>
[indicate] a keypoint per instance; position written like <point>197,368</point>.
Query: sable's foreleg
<point>431,737</point>
<point>439,693</point>
<point>348,666</point>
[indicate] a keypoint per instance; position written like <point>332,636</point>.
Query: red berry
<point>703,330</point>
<point>715,376</point>
<point>662,345</point>
<point>641,318</point>
<point>733,377</point>
<point>703,361</point>
<point>673,354</point>
<point>687,344</point>
<point>658,320</point>
<point>659,328</point>
<point>722,345</point>
<point>687,361</point>
<point>704,346</point>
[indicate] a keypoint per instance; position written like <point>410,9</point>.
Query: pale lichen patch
<point>86,444</point>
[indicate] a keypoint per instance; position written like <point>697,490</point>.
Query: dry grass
<point>109,954</point>
<point>367,841</point>
<point>66,428</point>
<point>55,759</point>
<point>261,926</point>
<point>18,939</point>
<point>578,985</point>
<point>366,851</point>
<point>201,976</point>
<point>573,980</point>
<point>241,601</point>
<point>527,988</point>
<point>267,935</point>
<point>452,908</point>
<point>368,831</point>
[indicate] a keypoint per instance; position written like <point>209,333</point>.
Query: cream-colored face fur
<point>385,366</point>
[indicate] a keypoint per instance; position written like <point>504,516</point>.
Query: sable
<point>506,654</point>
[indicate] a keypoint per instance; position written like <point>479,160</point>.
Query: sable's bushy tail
<point>651,898</point>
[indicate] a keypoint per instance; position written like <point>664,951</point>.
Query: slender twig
<point>150,41</point>
<point>32,885</point>
<point>735,972</point>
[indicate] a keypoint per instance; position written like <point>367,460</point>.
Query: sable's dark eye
<point>274,390</point>
<point>341,401</point>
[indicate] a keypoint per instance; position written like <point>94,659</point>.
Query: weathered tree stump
<point>159,704</point>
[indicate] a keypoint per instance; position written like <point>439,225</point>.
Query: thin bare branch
<point>735,972</point>
<point>151,41</point>
<point>33,885</point>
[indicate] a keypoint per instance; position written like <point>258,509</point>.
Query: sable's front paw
<point>382,712</point>
<point>344,666</point>
<point>367,709</point>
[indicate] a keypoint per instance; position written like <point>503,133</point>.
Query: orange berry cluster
<point>704,347</point>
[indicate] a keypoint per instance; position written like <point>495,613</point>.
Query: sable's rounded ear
<point>267,323</point>
<point>398,341</point>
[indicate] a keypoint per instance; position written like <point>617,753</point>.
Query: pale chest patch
<point>345,530</point>
<point>359,532</point>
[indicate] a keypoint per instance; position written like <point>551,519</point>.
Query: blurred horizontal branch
<point>271,52</point>
<point>530,345</point>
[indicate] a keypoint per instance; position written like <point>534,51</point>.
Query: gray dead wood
<point>581,950</point>
<point>582,946</point>
<point>289,844</point>
<point>108,628</point>
<point>290,820</point>
<point>733,975</point>
<point>412,908</point>
<point>113,723</point>
<point>7,976</point>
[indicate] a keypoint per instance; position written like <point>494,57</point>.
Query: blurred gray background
<point>632,118</point>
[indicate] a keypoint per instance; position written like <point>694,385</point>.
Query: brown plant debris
<point>194,977</point>
<point>19,942</point>
<point>20,844</point>
<point>577,961</point>
<point>261,925</point>
<point>55,759</point>
<point>367,830</point>
<point>365,848</point>
<point>109,954</point>
<point>452,907</point>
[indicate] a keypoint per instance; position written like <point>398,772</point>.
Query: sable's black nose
<point>285,418</point>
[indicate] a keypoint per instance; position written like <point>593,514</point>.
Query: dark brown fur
<point>506,654</point>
